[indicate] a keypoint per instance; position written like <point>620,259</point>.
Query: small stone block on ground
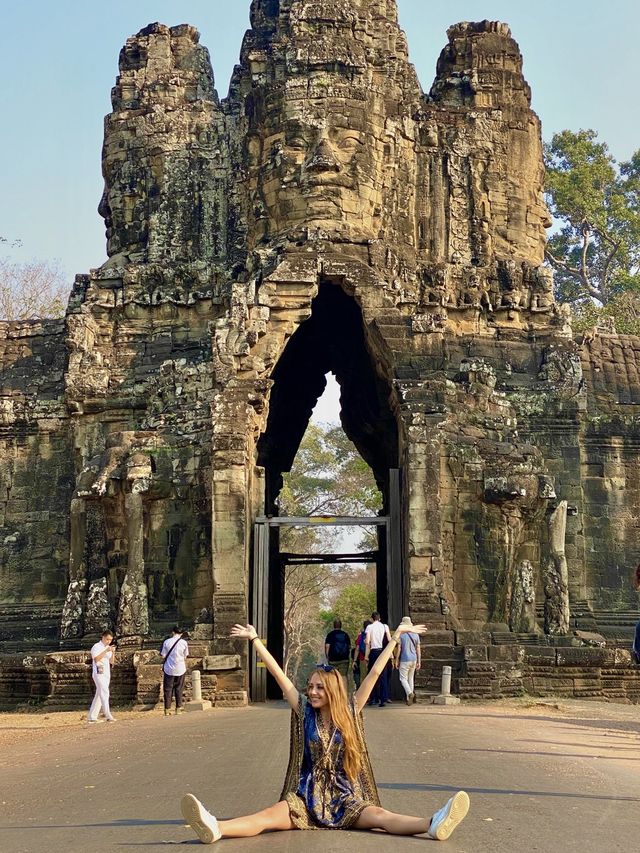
<point>201,705</point>
<point>446,700</point>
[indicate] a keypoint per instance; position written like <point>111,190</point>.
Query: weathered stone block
<point>218,663</point>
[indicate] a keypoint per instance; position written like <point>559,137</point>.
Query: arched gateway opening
<point>332,340</point>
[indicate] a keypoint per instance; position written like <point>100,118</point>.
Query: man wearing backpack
<point>337,648</point>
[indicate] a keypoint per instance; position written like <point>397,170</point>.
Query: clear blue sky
<point>58,62</point>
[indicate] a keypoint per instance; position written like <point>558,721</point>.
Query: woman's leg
<point>274,819</point>
<point>395,824</point>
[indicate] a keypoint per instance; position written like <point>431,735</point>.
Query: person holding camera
<point>103,657</point>
<point>175,652</point>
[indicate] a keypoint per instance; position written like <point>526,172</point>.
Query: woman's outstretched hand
<point>403,628</point>
<point>244,632</point>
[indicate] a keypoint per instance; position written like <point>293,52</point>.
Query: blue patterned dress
<point>324,796</point>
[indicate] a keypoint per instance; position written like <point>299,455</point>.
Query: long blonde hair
<point>336,693</point>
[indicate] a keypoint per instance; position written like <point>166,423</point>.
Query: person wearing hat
<point>408,660</point>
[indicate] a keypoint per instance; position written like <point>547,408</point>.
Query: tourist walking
<point>175,652</point>
<point>329,783</point>
<point>359,654</point>
<point>408,660</point>
<point>337,648</point>
<point>377,636</point>
<point>103,657</point>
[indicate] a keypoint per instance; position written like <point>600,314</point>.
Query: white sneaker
<point>450,815</point>
<point>203,824</point>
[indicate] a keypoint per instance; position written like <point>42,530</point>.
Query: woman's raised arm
<point>290,693</point>
<point>364,691</point>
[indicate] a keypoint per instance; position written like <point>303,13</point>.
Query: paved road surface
<point>540,778</point>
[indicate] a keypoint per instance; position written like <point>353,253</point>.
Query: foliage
<point>31,290</point>
<point>622,311</point>
<point>596,252</point>
<point>302,625</point>
<point>352,606</point>
<point>328,477</point>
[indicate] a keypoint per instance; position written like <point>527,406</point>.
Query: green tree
<point>352,606</point>
<point>328,477</point>
<point>596,251</point>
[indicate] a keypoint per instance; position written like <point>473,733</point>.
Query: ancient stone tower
<point>328,215</point>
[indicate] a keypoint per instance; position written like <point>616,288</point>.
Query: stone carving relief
<point>326,166</point>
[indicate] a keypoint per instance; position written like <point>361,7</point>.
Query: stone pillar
<point>556,581</point>
<point>428,585</point>
<point>133,609</point>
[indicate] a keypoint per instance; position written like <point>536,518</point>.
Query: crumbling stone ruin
<point>328,215</point>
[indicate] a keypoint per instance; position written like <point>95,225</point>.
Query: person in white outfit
<point>408,660</point>
<point>103,657</point>
<point>175,652</point>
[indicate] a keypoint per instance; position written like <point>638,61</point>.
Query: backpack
<point>341,647</point>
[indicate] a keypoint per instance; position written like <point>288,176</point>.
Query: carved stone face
<point>321,167</point>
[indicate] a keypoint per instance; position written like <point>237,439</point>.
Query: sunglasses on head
<point>325,667</point>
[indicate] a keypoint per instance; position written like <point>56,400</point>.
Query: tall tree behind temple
<point>32,290</point>
<point>596,252</point>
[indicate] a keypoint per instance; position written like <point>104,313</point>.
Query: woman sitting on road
<point>329,782</point>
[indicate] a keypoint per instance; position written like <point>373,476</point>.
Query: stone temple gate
<point>328,215</point>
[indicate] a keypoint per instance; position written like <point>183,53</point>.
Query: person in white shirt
<point>103,657</point>
<point>175,652</point>
<point>377,636</point>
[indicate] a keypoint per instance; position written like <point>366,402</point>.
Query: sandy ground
<point>544,776</point>
<point>30,724</point>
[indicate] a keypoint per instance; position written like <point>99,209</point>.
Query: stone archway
<point>331,340</point>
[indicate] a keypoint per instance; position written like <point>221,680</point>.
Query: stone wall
<point>36,464</point>
<point>62,680</point>
<point>327,216</point>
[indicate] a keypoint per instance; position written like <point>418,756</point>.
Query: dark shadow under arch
<point>332,340</point>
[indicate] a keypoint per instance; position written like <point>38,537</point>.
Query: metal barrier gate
<point>262,586</point>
